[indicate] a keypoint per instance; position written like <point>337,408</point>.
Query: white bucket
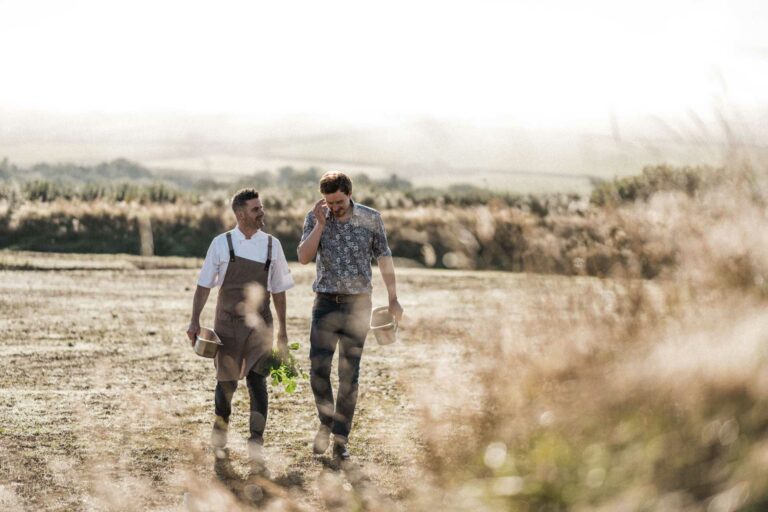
<point>383,325</point>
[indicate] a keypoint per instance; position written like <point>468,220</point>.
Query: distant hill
<point>427,152</point>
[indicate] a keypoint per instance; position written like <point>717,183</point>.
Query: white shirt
<point>255,249</point>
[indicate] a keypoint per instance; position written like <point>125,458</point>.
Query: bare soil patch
<point>105,406</point>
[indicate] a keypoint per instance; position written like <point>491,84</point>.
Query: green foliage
<point>120,169</point>
<point>463,226</point>
<point>291,178</point>
<point>187,233</point>
<point>7,170</point>
<point>646,443</point>
<point>688,180</point>
<point>93,232</point>
<point>119,180</point>
<point>394,182</point>
<point>284,370</point>
<point>124,181</point>
<point>156,192</point>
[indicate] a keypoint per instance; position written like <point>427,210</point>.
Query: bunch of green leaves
<point>284,370</point>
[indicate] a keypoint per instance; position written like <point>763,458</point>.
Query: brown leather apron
<point>243,318</point>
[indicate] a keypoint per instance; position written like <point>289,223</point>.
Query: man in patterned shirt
<point>342,236</point>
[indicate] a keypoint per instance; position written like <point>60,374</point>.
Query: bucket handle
<point>390,325</point>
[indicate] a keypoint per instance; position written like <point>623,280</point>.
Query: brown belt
<point>340,298</point>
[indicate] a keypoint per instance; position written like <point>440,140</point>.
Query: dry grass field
<point>106,407</point>
<point>517,392</point>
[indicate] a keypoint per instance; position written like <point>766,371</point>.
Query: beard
<point>256,224</point>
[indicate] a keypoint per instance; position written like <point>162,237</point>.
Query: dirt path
<point>105,406</point>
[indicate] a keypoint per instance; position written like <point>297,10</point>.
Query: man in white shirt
<point>248,266</point>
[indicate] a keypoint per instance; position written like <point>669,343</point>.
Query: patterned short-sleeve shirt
<point>346,248</point>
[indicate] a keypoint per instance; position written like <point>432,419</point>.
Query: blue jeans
<point>344,324</point>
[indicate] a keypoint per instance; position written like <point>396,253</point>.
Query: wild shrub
<point>631,395</point>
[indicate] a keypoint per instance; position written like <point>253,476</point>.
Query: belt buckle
<point>338,298</point>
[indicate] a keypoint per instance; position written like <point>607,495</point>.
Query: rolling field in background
<point>428,152</point>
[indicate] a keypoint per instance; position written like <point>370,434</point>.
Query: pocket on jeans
<point>362,307</point>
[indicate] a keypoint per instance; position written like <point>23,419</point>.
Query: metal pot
<point>207,343</point>
<point>383,325</point>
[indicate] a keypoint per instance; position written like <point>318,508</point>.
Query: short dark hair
<point>242,196</point>
<point>334,181</point>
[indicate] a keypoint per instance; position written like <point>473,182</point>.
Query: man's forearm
<point>198,302</point>
<point>387,269</point>
<point>308,248</point>
<point>280,308</point>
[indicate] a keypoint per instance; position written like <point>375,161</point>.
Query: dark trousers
<point>344,324</point>
<point>257,388</point>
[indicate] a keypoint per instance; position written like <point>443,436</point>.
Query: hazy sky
<point>542,63</point>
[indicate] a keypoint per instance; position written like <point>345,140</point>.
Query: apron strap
<point>231,248</point>
<point>269,254</point>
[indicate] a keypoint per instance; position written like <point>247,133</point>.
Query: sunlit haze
<point>190,73</point>
<point>536,63</point>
